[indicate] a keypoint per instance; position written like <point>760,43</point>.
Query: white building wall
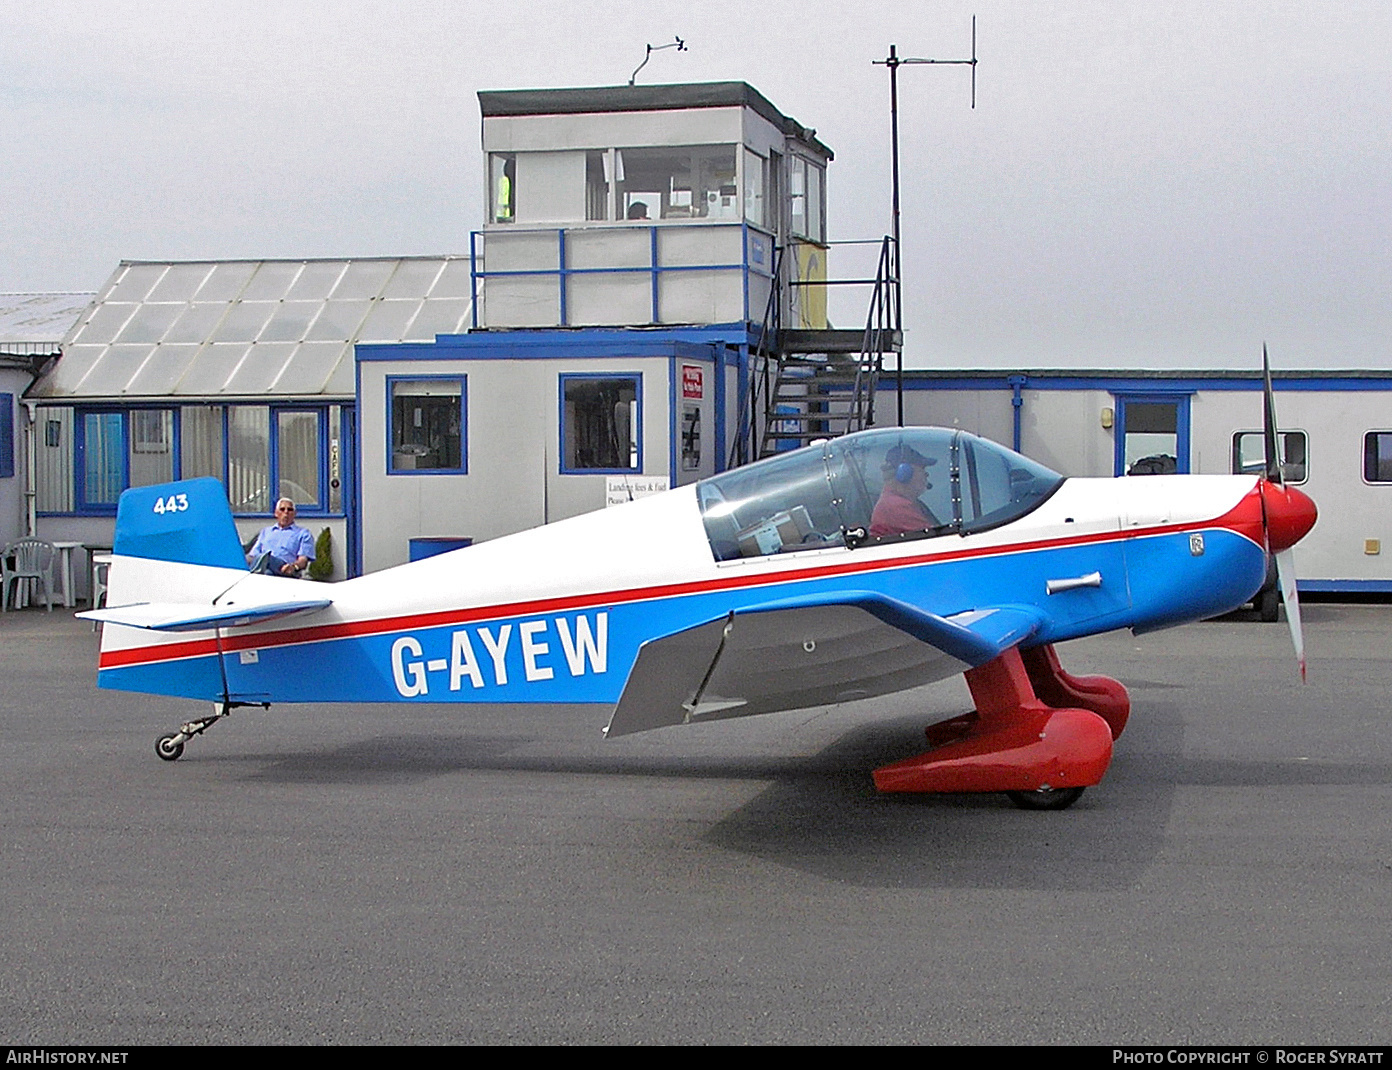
<point>513,449</point>
<point>1351,511</point>
<point>601,130</point>
<point>1063,429</point>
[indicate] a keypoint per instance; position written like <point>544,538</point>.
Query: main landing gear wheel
<point>1046,798</point>
<point>169,747</point>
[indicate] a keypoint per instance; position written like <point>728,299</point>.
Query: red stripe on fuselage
<point>1243,519</point>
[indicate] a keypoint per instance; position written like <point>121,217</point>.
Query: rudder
<point>188,521</point>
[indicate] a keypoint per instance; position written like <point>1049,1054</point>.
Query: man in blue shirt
<point>284,548</point>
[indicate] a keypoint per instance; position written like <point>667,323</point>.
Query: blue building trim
<point>563,272</point>
<point>353,500</point>
<point>673,420</point>
<point>583,343</point>
<point>1151,383</point>
<point>1180,399</point>
<point>7,423</point>
<point>637,432</point>
<point>721,447</point>
<point>1344,586</point>
<point>388,398</point>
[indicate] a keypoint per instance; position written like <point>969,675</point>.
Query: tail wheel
<point>169,747</point>
<point>1046,798</point>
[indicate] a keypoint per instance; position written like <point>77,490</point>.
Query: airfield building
<point>644,304</point>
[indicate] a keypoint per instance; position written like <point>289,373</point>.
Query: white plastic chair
<point>101,567</point>
<point>27,559</point>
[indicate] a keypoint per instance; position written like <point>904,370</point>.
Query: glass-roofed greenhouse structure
<point>238,369</point>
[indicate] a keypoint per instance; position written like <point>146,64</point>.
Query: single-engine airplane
<point>861,566</point>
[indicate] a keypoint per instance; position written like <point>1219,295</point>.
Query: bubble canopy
<point>870,488</point>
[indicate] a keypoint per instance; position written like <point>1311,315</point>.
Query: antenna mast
<point>893,62</point>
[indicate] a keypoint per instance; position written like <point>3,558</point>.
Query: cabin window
<point>601,423</point>
<point>1377,457</point>
<point>427,425</point>
<point>999,485</point>
<point>1249,454</point>
<point>895,484</point>
<point>871,488</point>
<point>778,505</point>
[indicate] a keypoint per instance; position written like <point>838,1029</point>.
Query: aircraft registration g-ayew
<point>862,566</point>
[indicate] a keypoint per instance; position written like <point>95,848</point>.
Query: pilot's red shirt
<point>895,514</point>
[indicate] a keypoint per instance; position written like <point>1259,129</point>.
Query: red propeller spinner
<point>1290,514</point>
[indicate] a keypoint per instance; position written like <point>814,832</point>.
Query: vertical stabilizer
<point>188,522</point>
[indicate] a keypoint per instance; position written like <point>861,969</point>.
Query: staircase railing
<point>881,325</point>
<point>768,334</point>
<point>829,392</point>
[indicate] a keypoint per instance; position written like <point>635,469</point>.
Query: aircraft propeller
<point>1287,513</point>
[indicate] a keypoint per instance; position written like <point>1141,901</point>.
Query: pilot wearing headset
<point>900,509</point>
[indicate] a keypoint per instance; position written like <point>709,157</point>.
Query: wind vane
<point>676,43</point>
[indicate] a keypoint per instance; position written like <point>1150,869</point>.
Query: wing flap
<point>803,652</point>
<point>186,617</point>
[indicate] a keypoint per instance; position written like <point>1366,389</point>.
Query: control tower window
<point>806,192</point>
<point>502,187</point>
<point>754,181</point>
<point>688,182</point>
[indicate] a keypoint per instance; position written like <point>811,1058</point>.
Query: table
<point>66,548</point>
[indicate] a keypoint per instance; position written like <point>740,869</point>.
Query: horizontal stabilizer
<point>809,651</point>
<point>186,617</point>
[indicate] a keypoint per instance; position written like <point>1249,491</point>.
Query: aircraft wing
<point>812,651</point>
<point>188,617</point>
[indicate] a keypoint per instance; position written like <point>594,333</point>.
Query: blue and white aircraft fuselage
<point>772,587</point>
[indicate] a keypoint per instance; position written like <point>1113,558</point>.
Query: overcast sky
<point>1140,183</point>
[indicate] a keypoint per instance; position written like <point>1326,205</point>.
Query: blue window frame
<point>1152,434</point>
<point>260,452</point>
<point>102,473</point>
<point>427,425</point>
<point>601,423</point>
<point>7,415</point>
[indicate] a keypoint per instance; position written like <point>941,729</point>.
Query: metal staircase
<point>814,384</point>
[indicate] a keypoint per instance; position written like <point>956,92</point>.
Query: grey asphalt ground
<point>428,874</point>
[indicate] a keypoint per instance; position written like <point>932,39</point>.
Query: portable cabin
<point>1335,437</point>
